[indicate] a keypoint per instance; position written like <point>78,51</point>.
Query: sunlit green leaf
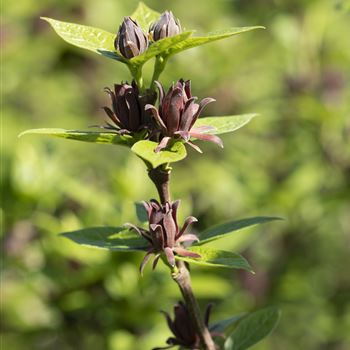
<point>217,258</point>
<point>85,37</point>
<point>111,238</point>
<point>253,328</point>
<point>86,136</point>
<point>213,36</point>
<point>221,230</point>
<point>145,16</point>
<point>173,153</point>
<point>159,47</point>
<point>225,124</point>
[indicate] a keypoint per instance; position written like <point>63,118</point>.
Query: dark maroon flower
<point>164,234</point>
<point>177,114</point>
<point>127,113</point>
<point>184,332</point>
<point>167,25</point>
<point>131,41</point>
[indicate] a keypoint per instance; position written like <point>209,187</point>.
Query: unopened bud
<point>131,40</point>
<point>168,25</point>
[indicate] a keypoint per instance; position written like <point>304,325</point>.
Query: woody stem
<point>181,274</point>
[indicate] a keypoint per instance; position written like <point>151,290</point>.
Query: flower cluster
<point>173,119</point>
<point>131,41</point>
<point>177,110</point>
<point>164,234</point>
<point>182,328</point>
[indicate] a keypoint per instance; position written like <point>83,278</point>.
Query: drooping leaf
<point>210,37</point>
<point>86,136</point>
<point>141,212</point>
<point>85,37</point>
<point>224,325</point>
<point>225,124</point>
<point>111,238</point>
<point>173,153</point>
<point>159,47</point>
<point>145,16</point>
<point>221,230</point>
<point>253,328</point>
<point>217,258</point>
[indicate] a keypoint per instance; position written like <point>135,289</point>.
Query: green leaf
<point>217,258</point>
<point>221,230</point>
<point>225,124</point>
<point>145,16</point>
<point>160,46</point>
<point>210,37</point>
<point>173,153</point>
<point>141,212</point>
<point>224,325</point>
<point>86,136</point>
<point>89,38</point>
<point>111,238</point>
<point>253,328</point>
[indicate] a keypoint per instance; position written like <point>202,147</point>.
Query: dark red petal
<point>202,104</point>
<point>190,220</point>
<point>157,117</point>
<point>207,137</point>
<point>162,144</point>
<point>194,146</point>
<point>170,256</point>
<point>183,252</point>
<point>145,260</point>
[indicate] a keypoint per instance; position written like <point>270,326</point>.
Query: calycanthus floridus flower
<point>183,330</point>
<point>164,234</point>
<point>127,113</point>
<point>177,114</point>
<point>131,41</point>
<point>167,25</point>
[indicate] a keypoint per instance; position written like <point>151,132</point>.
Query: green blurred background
<point>292,161</point>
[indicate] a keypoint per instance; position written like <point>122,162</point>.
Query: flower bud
<point>168,25</point>
<point>126,112</point>
<point>131,40</point>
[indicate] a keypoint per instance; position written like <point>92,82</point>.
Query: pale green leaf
<point>86,136</point>
<point>111,238</point>
<point>253,328</point>
<point>85,37</point>
<point>173,153</point>
<point>217,258</point>
<point>145,16</point>
<point>221,230</point>
<point>158,47</point>
<point>210,37</point>
<point>225,124</point>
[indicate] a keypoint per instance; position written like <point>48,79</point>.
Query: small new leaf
<point>86,136</point>
<point>145,150</point>
<point>145,16</point>
<point>217,258</point>
<point>111,238</point>
<point>253,328</point>
<point>225,124</point>
<point>221,230</point>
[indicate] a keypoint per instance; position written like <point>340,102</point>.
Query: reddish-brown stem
<point>181,274</point>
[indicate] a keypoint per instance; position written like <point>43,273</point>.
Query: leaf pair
<point>121,239</point>
<point>145,148</point>
<point>102,42</point>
